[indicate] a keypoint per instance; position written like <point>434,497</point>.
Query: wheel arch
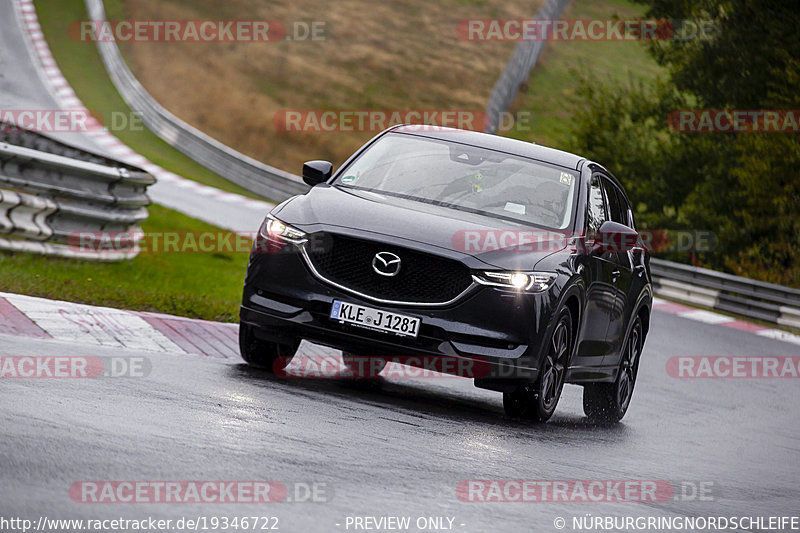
<point>643,307</point>
<point>573,305</point>
<point>644,314</point>
<point>573,300</point>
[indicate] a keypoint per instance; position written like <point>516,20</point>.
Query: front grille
<point>423,278</point>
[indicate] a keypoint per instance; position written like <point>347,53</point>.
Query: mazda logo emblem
<point>386,264</point>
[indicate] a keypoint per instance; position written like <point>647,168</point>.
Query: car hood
<point>486,240</point>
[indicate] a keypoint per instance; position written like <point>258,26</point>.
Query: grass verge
<point>556,76</point>
<point>374,56</point>
<point>197,285</point>
<point>81,64</point>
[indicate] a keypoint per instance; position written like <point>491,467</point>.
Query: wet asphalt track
<point>400,447</point>
<point>396,448</point>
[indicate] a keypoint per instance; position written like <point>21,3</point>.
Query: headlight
<point>274,229</point>
<point>521,281</point>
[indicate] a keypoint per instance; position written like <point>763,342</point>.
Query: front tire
<point>270,356</point>
<point>538,402</point>
<point>607,403</point>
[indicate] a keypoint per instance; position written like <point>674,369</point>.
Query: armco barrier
<point>245,171</point>
<point>519,66</point>
<point>45,196</point>
<point>696,286</point>
<point>724,292</point>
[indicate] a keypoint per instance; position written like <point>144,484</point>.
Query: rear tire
<point>270,356</point>
<point>607,403</point>
<point>363,367</point>
<point>537,402</point>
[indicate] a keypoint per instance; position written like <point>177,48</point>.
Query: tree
<point>745,187</point>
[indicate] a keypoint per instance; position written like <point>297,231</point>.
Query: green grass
<point>209,286</point>
<point>197,285</point>
<point>553,81</point>
<point>81,64</point>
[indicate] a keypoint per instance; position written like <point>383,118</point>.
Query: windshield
<point>464,177</point>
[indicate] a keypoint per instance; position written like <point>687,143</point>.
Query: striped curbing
<point>718,319</point>
<point>28,316</point>
<point>81,324</point>
<point>726,293</point>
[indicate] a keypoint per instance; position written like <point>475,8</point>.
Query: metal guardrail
<point>270,182</point>
<point>696,286</point>
<point>519,66</point>
<point>46,198</point>
<point>724,292</point>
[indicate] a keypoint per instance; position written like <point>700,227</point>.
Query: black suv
<point>443,243</point>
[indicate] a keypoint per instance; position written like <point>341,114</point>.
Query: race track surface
<point>393,447</point>
<point>26,85</point>
<point>399,446</point>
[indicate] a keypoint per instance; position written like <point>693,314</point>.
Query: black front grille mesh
<point>423,278</point>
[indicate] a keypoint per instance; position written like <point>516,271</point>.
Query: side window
<point>596,213</point>
<point>627,212</point>
<point>617,211</point>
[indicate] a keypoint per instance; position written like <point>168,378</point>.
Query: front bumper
<point>284,300</point>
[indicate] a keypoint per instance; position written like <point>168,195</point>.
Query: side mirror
<point>615,237</point>
<point>315,172</point>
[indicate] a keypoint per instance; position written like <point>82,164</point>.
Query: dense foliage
<point>742,186</point>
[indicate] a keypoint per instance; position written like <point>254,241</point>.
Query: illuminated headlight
<point>521,281</point>
<point>274,229</point>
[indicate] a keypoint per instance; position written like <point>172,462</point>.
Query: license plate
<point>368,317</point>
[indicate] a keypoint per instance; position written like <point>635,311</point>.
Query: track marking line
<point>709,317</point>
<point>745,326</point>
<point>780,335</point>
